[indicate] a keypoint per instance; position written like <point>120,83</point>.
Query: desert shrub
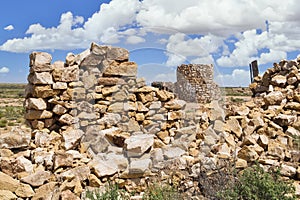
<point>256,184</point>
<point>161,192</point>
<point>3,123</point>
<point>112,192</point>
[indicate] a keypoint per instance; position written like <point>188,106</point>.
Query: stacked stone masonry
<point>94,122</point>
<point>195,83</point>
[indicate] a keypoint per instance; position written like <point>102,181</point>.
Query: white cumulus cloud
<point>9,28</point>
<point>238,77</point>
<point>4,70</point>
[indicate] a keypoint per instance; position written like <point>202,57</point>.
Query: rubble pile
<point>93,122</point>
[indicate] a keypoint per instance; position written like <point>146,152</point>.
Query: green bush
<point>3,123</point>
<point>165,192</point>
<point>112,192</point>
<point>256,184</point>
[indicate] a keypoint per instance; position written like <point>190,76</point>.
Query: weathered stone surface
<point>59,109</point>
<point>288,170</point>
<point>274,98</point>
<point>279,80</point>
<point>17,138</point>
<point>285,120</point>
<point>110,81</point>
<point>137,145</point>
<point>248,153</point>
<point>233,125</point>
<point>164,95</point>
<point>35,104</point>
<point>119,54</point>
<point>7,195</point>
<point>175,115</point>
<point>81,173</point>
<point>62,159</point>
<point>65,74</point>
<point>122,69</point>
<point>71,137</point>
<point>137,168</point>
<point>45,192</point>
<point>37,179</point>
<point>172,152</point>
<point>68,195</point>
<point>40,59</point>
<point>66,119</point>
<point>42,78</point>
<point>38,114</point>
<point>105,165</point>
<point>8,183</point>
<point>60,86</point>
<point>24,190</point>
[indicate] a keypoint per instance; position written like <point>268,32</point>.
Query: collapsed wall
<point>93,122</point>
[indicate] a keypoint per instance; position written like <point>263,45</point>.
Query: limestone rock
<point>35,104</point>
<point>248,153</point>
<point>59,109</point>
<point>24,190</point>
<point>71,137</point>
<point>8,183</point>
<point>274,98</point>
<point>137,168</point>
<point>119,54</point>
<point>279,80</point>
<point>40,60</point>
<point>45,192</point>
<point>60,86</point>
<point>65,74</point>
<point>62,159</point>
<point>16,138</point>
<point>81,173</point>
<point>127,69</point>
<point>110,81</point>
<point>285,120</point>
<point>164,95</point>
<point>288,170</point>
<point>137,145</point>
<point>37,179</point>
<point>233,125</point>
<point>66,119</point>
<point>7,195</point>
<point>172,152</point>
<point>68,195</point>
<point>42,78</point>
<point>38,114</point>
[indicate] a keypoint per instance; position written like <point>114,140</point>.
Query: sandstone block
<point>42,78</point>
<point>71,137</point>
<point>7,195</point>
<point>40,58</point>
<point>60,86</point>
<point>128,69</point>
<point>38,114</point>
<point>24,190</point>
<point>137,145</point>
<point>274,98</point>
<point>8,183</point>
<point>37,179</point>
<point>35,104</point>
<point>110,81</point>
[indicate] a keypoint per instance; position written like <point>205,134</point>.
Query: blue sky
<point>160,34</point>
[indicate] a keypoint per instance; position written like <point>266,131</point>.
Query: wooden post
<point>253,70</point>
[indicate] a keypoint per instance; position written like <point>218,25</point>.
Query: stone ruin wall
<point>195,83</point>
<point>95,98</point>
